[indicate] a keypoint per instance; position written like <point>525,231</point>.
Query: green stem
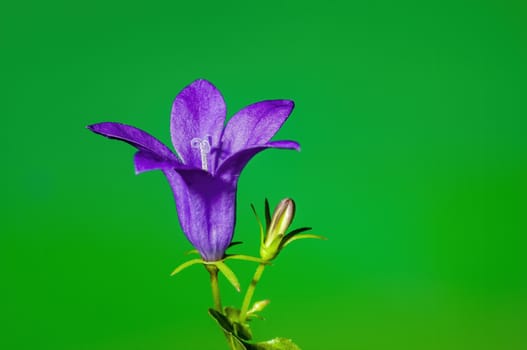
<point>213,270</point>
<point>215,287</point>
<point>250,292</point>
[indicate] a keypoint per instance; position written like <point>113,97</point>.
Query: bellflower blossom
<point>208,159</point>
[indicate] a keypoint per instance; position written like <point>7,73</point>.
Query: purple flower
<point>204,170</point>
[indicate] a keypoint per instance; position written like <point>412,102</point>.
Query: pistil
<point>204,148</point>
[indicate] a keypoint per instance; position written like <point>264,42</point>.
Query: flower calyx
<point>219,264</point>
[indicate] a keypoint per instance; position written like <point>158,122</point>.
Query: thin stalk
<point>250,292</point>
<point>213,270</point>
<point>215,287</point>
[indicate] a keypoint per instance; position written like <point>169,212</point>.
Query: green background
<point>412,120</point>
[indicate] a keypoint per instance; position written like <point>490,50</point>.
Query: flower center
<point>204,148</point>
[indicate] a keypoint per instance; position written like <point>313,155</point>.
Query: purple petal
<point>147,161</point>
<point>231,168</point>
<point>134,136</point>
<point>254,125</point>
<point>198,112</point>
<point>206,208</point>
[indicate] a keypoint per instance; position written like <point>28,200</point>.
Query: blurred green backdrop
<point>412,118</point>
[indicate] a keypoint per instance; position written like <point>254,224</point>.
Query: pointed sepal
<point>234,244</point>
<point>246,258</point>
<point>192,252</point>
<point>294,237</point>
<point>228,273</point>
<point>262,234</point>
<point>267,215</point>
<point>185,265</point>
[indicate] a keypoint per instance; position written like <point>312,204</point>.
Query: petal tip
<point>289,105</point>
<point>293,145</point>
<point>91,127</point>
<point>137,171</point>
<point>202,83</point>
<point>98,127</point>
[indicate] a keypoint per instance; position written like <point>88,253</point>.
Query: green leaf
<point>236,343</point>
<point>243,331</point>
<point>229,274</point>
<point>239,343</point>
<point>185,265</point>
<point>229,328</point>
<point>274,344</point>
<point>222,320</point>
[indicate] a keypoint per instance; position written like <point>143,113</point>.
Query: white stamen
<point>204,149</point>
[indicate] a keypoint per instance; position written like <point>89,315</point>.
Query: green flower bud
<point>282,218</point>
